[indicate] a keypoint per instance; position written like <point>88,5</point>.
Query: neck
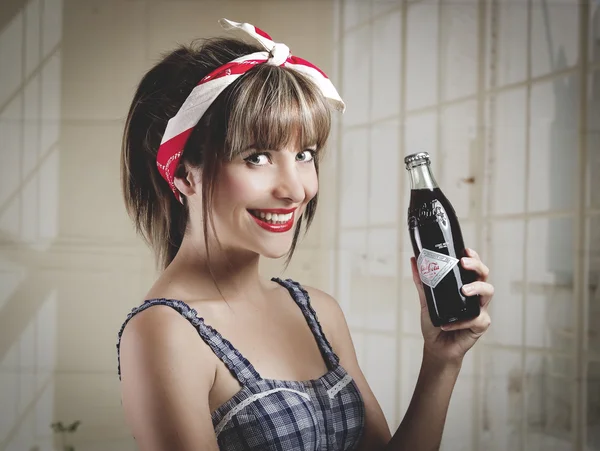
<point>220,273</point>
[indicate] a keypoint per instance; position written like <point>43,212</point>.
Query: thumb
<point>417,282</point>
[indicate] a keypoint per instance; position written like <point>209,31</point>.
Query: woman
<point>220,166</point>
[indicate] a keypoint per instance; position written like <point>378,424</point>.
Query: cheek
<point>312,186</point>
<point>233,188</point>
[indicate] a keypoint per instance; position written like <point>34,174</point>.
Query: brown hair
<point>265,108</point>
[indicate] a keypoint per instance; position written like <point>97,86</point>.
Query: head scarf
<point>180,126</point>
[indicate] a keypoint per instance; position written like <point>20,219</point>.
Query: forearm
<point>422,426</point>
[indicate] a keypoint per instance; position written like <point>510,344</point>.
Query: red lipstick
<point>277,228</point>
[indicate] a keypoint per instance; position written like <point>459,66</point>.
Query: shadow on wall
<point>593,417</point>
<point>30,94</point>
<point>8,10</point>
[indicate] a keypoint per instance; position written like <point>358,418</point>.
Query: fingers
<point>477,326</point>
<point>471,253</point>
<point>417,281</point>
<point>483,289</point>
<point>415,272</point>
<point>474,264</point>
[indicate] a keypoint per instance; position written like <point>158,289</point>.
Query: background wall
<point>505,96</point>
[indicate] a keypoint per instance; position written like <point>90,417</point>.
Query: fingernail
<point>465,260</point>
<point>467,289</point>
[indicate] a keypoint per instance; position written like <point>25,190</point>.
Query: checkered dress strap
<point>300,295</point>
<point>225,351</point>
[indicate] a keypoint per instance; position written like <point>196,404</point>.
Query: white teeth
<point>273,217</point>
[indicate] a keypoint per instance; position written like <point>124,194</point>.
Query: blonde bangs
<point>273,107</point>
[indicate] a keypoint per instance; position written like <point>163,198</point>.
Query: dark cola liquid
<point>435,233</point>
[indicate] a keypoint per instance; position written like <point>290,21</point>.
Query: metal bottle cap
<point>421,157</point>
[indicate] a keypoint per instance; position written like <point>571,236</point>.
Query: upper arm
<point>376,433</point>
<point>165,383</point>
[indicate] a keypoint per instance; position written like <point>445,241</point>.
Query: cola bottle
<point>438,246</point>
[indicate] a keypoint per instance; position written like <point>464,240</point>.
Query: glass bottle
<point>438,246</point>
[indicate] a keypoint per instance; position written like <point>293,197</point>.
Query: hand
<point>451,342</point>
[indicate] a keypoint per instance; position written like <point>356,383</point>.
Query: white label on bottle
<point>434,266</point>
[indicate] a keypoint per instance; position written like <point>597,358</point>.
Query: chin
<point>274,253</point>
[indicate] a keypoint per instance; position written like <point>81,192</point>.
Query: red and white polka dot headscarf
<point>208,89</point>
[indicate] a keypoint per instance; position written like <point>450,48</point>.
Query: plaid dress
<point>324,414</point>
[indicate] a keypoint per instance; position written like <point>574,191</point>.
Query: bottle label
<point>434,266</point>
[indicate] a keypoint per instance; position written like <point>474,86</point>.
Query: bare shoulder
<point>335,327</point>
<point>322,298</point>
<point>163,360</point>
<point>159,335</point>
<point>330,315</point>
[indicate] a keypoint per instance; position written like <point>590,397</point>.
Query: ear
<point>191,184</point>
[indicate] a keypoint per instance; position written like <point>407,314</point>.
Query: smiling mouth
<point>273,222</point>
<point>272,218</point>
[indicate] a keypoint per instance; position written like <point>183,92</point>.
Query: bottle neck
<point>421,177</point>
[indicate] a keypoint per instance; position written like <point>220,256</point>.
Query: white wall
<point>493,91</point>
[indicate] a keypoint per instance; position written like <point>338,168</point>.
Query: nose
<point>289,184</point>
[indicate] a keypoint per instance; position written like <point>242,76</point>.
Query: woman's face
<point>259,197</point>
